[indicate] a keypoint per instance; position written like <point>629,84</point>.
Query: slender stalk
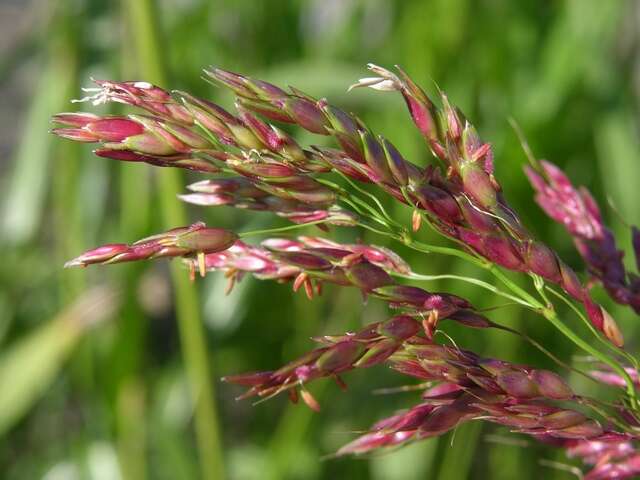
<point>521,296</point>
<point>269,231</point>
<point>356,202</point>
<point>547,310</point>
<point>130,345</point>
<point>64,52</point>
<point>143,17</point>
<point>131,406</point>
<point>545,351</point>
<point>495,271</point>
<point>586,346</point>
<point>480,283</point>
<point>632,360</point>
<point>373,197</point>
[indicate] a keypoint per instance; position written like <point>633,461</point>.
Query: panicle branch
<point>196,239</point>
<point>311,262</point>
<point>579,213</point>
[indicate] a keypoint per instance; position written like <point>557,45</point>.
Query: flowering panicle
<point>605,375</point>
<point>468,388</point>
<point>240,192</point>
<point>613,456</point>
<point>464,203</point>
<point>196,239</point>
<point>399,341</point>
<point>365,348</point>
<point>139,138</point>
<point>263,168</point>
<point>310,262</point>
<point>143,95</point>
<point>442,412</point>
<point>195,134</point>
<point>579,213</point>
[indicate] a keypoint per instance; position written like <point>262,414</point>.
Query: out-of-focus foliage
<point>113,401</point>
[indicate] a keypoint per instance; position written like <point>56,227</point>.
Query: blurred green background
<point>98,384</point>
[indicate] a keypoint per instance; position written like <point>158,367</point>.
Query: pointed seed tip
<point>73,263</point>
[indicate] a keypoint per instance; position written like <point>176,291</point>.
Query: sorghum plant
<point>262,168</point>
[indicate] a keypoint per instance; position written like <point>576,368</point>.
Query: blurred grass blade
<point>131,406</point>
<point>25,199</point>
<point>413,462</point>
<point>618,152</point>
<point>28,183</point>
<point>30,364</point>
<point>144,19</point>
<point>458,457</point>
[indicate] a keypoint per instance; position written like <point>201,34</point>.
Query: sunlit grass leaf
<point>30,364</point>
<point>26,189</point>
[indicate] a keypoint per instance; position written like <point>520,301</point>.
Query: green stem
<point>632,360</point>
<point>593,404</point>
<point>537,345</point>
<point>374,215</point>
<point>493,269</point>
<point>474,281</point>
<point>373,197</point>
<point>375,230</point>
<point>630,388</point>
<point>352,200</point>
<point>269,231</point>
<point>496,272</point>
<point>566,331</point>
<point>144,24</point>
